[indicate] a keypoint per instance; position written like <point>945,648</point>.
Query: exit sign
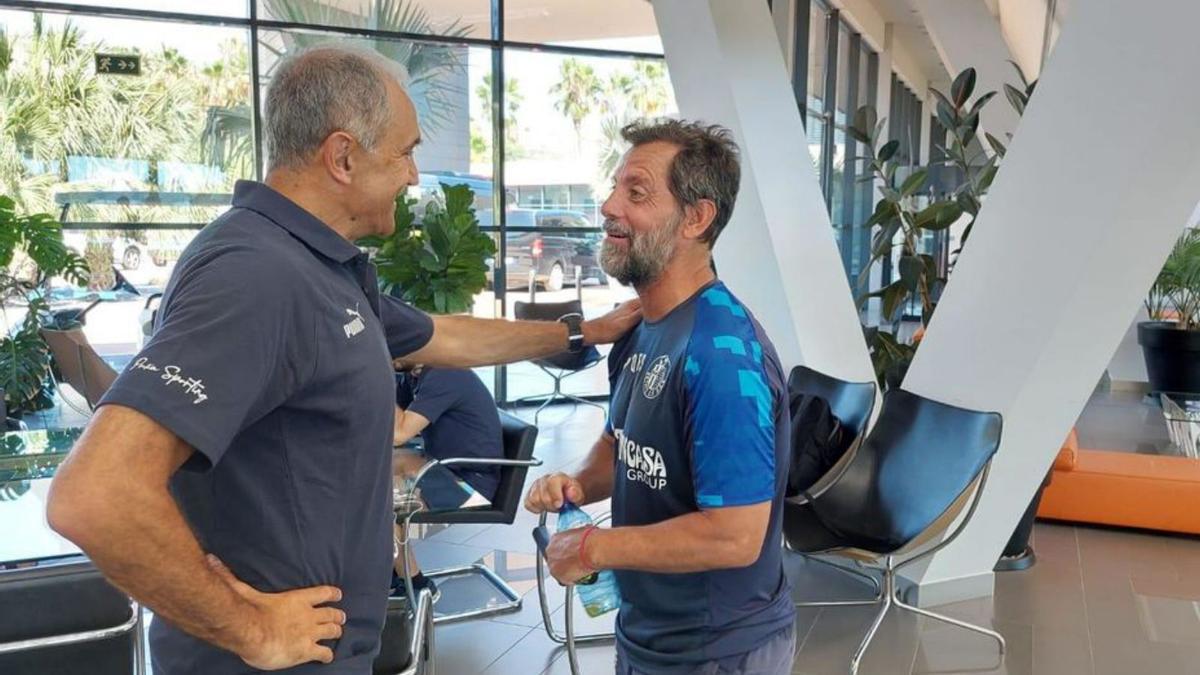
<point>118,64</point>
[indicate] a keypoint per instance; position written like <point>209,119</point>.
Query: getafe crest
<point>656,377</point>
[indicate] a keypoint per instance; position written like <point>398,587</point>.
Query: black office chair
<point>852,403</point>
<point>519,440</point>
<point>560,366</point>
<point>64,618</point>
<point>920,465</point>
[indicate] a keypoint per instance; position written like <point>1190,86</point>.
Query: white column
<point>1078,223</point>
<point>778,253</point>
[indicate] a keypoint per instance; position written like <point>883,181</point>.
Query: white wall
<point>778,253</point>
<point>1062,252</point>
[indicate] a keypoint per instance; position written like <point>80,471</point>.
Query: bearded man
<point>694,453</point>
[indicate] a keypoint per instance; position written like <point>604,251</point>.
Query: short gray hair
<point>320,90</point>
<point>707,165</point>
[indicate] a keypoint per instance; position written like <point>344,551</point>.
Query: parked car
<point>552,256</point>
<point>128,253</point>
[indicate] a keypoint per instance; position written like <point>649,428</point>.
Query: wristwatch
<point>574,323</point>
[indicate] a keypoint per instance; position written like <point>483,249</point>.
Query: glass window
<point>450,18</point>
<point>623,25</point>
<point>844,78</point>
<point>456,141</point>
<point>147,160</point>
<point>165,145</point>
<point>815,131</point>
<point>837,211</point>
<point>569,146</point>
<point>816,56</point>
<point>234,8</point>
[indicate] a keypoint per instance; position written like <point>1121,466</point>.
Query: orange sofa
<point>1123,488</point>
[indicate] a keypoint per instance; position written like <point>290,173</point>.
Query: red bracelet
<point>582,553</point>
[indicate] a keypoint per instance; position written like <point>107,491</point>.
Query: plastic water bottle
<point>598,590</point>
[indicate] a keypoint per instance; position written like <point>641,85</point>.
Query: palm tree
<point>649,93</point>
<point>55,111</point>
<point>612,146</point>
<point>432,72</point>
<point>617,92</point>
<point>512,105</point>
<point>577,90</point>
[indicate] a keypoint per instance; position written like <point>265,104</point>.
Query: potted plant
<point>441,265</point>
<point>1170,340</point>
<point>906,213</point>
<point>24,357</point>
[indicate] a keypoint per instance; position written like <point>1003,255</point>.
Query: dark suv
<point>553,255</point>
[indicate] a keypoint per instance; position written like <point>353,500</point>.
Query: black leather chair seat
<point>59,599</point>
<point>519,441</point>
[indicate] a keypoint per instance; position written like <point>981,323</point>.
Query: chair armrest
<point>75,638</point>
<point>476,461</point>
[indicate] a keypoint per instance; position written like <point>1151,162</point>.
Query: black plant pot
<point>1172,357</point>
<point>1018,554</point>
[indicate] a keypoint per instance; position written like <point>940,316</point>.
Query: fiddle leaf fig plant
<point>441,265</point>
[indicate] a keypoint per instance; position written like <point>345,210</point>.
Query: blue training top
<point>701,422</point>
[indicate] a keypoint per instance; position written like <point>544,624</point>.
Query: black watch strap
<point>574,323</point>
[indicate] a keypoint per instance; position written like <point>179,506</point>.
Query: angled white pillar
<point>778,253</point>
<point>966,35</point>
<point>1077,225</point>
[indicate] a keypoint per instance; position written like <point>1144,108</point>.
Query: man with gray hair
<point>695,452</point>
<point>237,477</point>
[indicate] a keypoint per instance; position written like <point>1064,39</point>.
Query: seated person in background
<point>456,416</point>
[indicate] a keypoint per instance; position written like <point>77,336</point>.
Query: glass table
<point>28,460</point>
<point>1183,423</point>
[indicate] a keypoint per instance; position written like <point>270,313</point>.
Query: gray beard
<point>644,258</point>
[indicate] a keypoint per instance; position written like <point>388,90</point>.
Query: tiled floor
<point>1099,601</point>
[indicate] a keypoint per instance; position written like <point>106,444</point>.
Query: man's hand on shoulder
<point>612,326</point>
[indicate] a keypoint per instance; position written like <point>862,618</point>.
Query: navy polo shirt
<point>463,421</point>
<point>272,358</point>
<point>701,422</point>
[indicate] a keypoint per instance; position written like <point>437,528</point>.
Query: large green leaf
<point>914,182</point>
<point>945,215</point>
<point>888,150</point>
<point>982,101</point>
<point>1016,98</point>
<point>946,115</point>
<point>997,146</point>
<point>962,88</point>
<point>911,271</point>
<point>895,296</point>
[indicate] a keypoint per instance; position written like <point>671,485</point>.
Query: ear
<point>336,156</point>
<point>698,217</point>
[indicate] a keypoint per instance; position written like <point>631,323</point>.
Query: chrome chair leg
<point>889,585</point>
<point>579,399</point>
<point>955,622</point>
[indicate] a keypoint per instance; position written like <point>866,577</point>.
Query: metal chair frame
<point>403,547</point>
